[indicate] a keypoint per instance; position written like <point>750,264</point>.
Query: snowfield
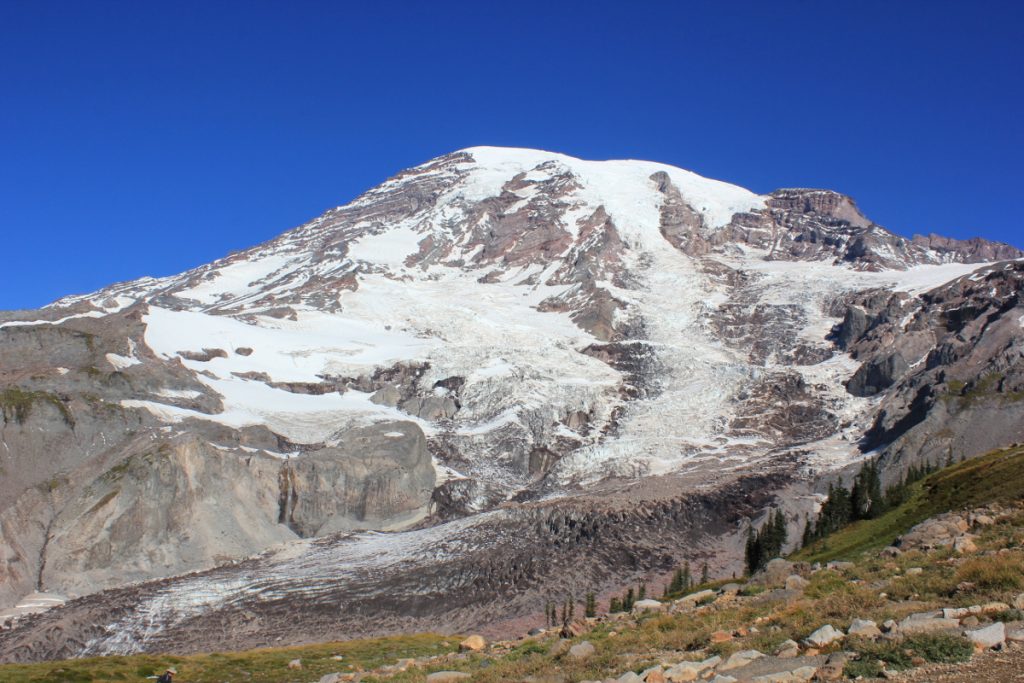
<point>522,367</point>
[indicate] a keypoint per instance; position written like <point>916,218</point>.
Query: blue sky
<point>148,138</point>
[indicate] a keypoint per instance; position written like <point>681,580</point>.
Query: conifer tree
<point>767,543</point>
<point>590,609</point>
<point>704,576</point>
<point>751,553</point>
<point>675,586</point>
<point>808,536</point>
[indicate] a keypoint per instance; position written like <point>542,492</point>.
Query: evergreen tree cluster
<point>864,500</point>
<point>681,581</point>
<point>766,543</point>
<point>630,598</point>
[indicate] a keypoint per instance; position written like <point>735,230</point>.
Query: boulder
<point>927,624</point>
<point>648,605</point>
<point>960,612</point>
<point>473,644</point>
<point>1018,602</point>
<point>840,565</point>
<point>692,599</point>
<point>738,659</point>
<point>799,675</point>
<point>447,677</point>
<point>994,607</point>
<point>795,582</point>
<point>720,637</point>
<point>1015,632</point>
<point>964,544</point>
<point>825,636</point>
<point>582,650</point>
<point>776,572</point>
<point>629,677</point>
<point>788,650</point>
<point>330,678</point>
<point>654,675</point>
<point>832,669</point>
<point>690,671</point>
<point>723,678</point>
<point>683,672</point>
<point>989,638</point>
<point>295,664</point>
<point>865,628</point>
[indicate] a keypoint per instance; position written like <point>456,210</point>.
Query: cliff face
<point>488,337</point>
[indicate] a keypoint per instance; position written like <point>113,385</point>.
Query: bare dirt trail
<point>988,667</point>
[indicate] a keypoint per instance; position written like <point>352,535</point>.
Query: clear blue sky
<point>145,138</point>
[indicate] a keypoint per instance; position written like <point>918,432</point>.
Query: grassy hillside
<point>993,478</point>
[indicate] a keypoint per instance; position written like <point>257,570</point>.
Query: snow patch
<point>388,248</point>
<point>121,362</point>
<point>23,323</point>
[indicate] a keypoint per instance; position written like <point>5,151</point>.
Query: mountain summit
<point>508,359</point>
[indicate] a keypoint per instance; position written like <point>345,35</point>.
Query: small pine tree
<point>590,608</point>
<point>765,544</point>
<point>687,578</point>
<point>705,577</point>
<point>614,605</point>
<point>751,553</point>
<point>675,586</point>
<point>641,591</point>
<point>778,534</point>
<point>628,600</point>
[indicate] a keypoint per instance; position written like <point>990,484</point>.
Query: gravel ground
<point>988,667</point>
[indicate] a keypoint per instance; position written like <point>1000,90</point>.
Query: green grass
<point>996,477</point>
<point>259,666</point>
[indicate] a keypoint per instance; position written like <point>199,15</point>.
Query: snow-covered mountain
<point>493,336</point>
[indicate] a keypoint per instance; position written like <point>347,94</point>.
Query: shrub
<point>892,653</point>
<point>863,668</point>
<point>996,572</point>
<point>940,647</point>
